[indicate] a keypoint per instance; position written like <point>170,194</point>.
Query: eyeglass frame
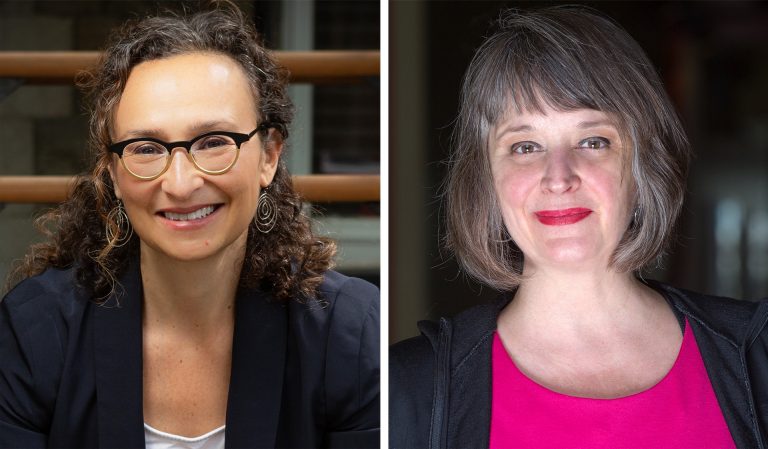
<point>239,138</point>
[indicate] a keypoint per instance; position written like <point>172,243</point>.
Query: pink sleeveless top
<point>679,412</point>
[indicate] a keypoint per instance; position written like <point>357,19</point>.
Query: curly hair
<point>288,262</point>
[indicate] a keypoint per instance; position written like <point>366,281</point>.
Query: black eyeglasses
<point>213,153</point>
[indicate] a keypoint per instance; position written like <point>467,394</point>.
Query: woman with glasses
<point>567,173</point>
<point>182,299</point>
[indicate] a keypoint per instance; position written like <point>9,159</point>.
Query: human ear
<point>273,147</point>
<point>111,168</point>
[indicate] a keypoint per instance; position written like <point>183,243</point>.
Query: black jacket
<point>440,382</point>
<point>302,375</point>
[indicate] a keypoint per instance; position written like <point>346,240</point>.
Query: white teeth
<point>200,213</point>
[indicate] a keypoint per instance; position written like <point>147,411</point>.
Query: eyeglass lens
<point>211,154</point>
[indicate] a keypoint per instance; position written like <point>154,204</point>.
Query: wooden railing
<point>61,67</point>
<point>313,188</point>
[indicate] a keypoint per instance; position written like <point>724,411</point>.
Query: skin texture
<point>576,325</point>
<point>190,269</point>
<point>556,161</point>
<point>166,99</point>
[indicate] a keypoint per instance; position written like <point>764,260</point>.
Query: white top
<point>157,439</point>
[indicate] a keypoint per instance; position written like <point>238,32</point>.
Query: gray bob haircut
<point>568,58</point>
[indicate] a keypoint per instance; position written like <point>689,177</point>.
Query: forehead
<point>188,88</point>
<point>546,116</point>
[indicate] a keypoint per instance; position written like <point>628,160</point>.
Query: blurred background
<point>713,59</point>
<point>336,130</point>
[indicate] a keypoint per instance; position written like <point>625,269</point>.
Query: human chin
<point>567,251</point>
<point>192,248</point>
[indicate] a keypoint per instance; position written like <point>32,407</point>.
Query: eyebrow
<point>595,124</point>
<point>581,125</point>
<point>513,129</point>
<point>195,129</point>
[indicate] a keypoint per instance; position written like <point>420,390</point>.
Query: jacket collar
<point>258,363</point>
<point>722,316</point>
<point>118,364</point>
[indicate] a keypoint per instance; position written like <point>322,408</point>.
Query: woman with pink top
<point>567,174</point>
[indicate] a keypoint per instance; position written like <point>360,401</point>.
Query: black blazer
<point>303,375</point>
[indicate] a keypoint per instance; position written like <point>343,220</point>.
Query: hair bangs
<point>525,76</point>
<point>564,58</point>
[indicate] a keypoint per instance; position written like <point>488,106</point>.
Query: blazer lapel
<point>118,364</point>
<point>258,364</point>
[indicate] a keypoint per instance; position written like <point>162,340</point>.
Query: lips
<point>561,217</point>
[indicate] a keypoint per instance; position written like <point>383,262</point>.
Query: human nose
<point>560,175</point>
<point>182,177</point>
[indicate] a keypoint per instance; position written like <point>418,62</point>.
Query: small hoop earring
<point>118,228</point>
<point>266,213</point>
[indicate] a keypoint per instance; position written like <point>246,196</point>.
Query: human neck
<point>193,294</point>
<point>586,300</point>
<point>594,335</point>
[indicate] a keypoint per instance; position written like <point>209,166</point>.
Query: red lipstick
<point>562,217</point>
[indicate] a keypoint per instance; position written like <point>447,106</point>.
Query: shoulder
<point>461,342</point>
<point>338,289</point>
<point>342,302</point>
<point>411,373</point>
<point>728,317</point>
<point>51,295</point>
<point>426,369</point>
<point>350,311</point>
<point>340,318</point>
<point>51,280</point>
<point>464,336</point>
<point>42,310</point>
<point>337,333</point>
<point>38,318</point>
<point>707,304</point>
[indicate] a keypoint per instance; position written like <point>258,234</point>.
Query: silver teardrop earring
<point>118,228</point>
<point>266,213</point>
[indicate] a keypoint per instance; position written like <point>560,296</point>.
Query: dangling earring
<point>118,229</point>
<point>266,213</point>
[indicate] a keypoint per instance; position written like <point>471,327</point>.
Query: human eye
<point>214,142</point>
<point>144,149</point>
<point>525,148</point>
<point>595,143</point>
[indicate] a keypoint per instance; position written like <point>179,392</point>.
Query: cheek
<point>242,189</point>
<point>612,187</point>
<point>133,192</point>
<point>513,189</point>
<point>616,195</point>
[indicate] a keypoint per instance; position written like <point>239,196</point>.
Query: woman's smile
<point>554,170</point>
<point>189,218</point>
<point>561,217</point>
<point>186,213</point>
<point>197,213</point>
